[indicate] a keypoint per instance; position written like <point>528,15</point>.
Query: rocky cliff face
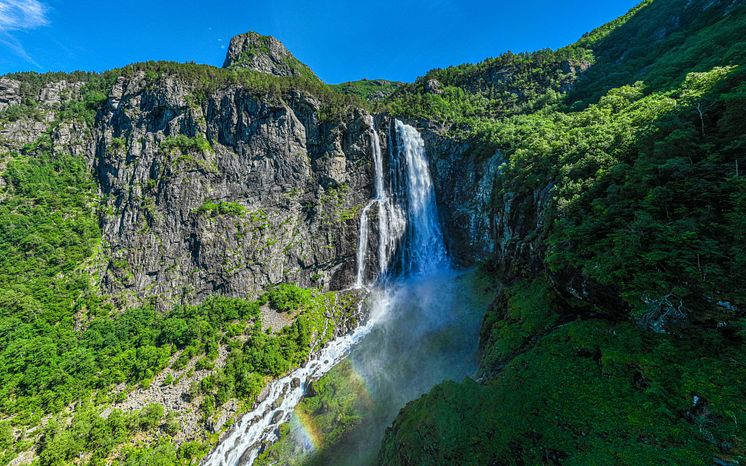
<point>264,54</point>
<point>233,191</point>
<point>9,93</point>
<point>229,194</point>
<point>481,222</point>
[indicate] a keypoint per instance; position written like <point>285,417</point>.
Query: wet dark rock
<point>263,394</point>
<point>479,224</point>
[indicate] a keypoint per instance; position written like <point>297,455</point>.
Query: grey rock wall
<point>298,182</point>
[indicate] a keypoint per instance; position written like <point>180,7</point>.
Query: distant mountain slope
<point>369,89</point>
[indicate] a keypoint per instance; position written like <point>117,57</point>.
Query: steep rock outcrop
<point>229,194</point>
<point>481,222</point>
<point>10,93</point>
<point>25,128</point>
<point>264,54</point>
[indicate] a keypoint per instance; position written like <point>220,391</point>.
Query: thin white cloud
<point>20,15</point>
<point>16,47</point>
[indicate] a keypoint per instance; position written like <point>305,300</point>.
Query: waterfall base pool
<point>426,331</point>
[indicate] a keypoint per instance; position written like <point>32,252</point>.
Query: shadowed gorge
<point>534,259</point>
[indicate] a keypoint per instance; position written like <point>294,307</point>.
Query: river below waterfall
<point>423,327</point>
<point>425,331</point>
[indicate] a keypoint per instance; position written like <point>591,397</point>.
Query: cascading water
<point>362,247</point>
<point>245,441</point>
<point>418,302</point>
<point>391,219</point>
<point>423,249</point>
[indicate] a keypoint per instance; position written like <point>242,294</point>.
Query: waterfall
<point>391,219</point>
<point>362,247</point>
<point>245,442</point>
<point>423,249</point>
<point>407,230</point>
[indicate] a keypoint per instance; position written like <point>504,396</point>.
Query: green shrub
<point>150,417</point>
<point>230,209</point>
<point>288,297</point>
<point>184,144</point>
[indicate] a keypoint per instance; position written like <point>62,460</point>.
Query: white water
<point>391,219</point>
<point>260,425</point>
<point>427,332</point>
<point>423,250</point>
<point>362,247</point>
<point>415,236</point>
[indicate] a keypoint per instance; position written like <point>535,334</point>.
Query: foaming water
<point>423,250</point>
<point>426,332</point>
<point>244,443</point>
<point>392,221</point>
<point>423,325</point>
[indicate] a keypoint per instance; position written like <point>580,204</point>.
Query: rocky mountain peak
<point>264,54</point>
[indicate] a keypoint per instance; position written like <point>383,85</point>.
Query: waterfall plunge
<point>407,215</point>
<point>391,218</point>
<point>423,250</point>
<point>408,229</point>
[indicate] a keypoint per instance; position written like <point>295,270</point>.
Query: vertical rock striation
<point>229,194</point>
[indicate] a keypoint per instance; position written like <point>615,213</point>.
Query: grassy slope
<point>586,392</point>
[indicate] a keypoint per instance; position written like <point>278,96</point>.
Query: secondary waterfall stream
<point>424,317</point>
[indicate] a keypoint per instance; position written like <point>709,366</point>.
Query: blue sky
<point>341,40</point>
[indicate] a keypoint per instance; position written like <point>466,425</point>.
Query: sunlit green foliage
<point>659,42</point>
<point>231,209</point>
<point>91,433</point>
<point>48,231</point>
<point>267,354</point>
<point>645,188</point>
<point>288,297</point>
<point>584,392</point>
<point>498,87</point>
<point>184,144</point>
<point>370,90</point>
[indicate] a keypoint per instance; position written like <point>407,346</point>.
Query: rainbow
<point>303,424</point>
<point>305,427</point>
<point>361,384</point>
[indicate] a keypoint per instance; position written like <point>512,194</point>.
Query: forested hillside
<point>619,336</point>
